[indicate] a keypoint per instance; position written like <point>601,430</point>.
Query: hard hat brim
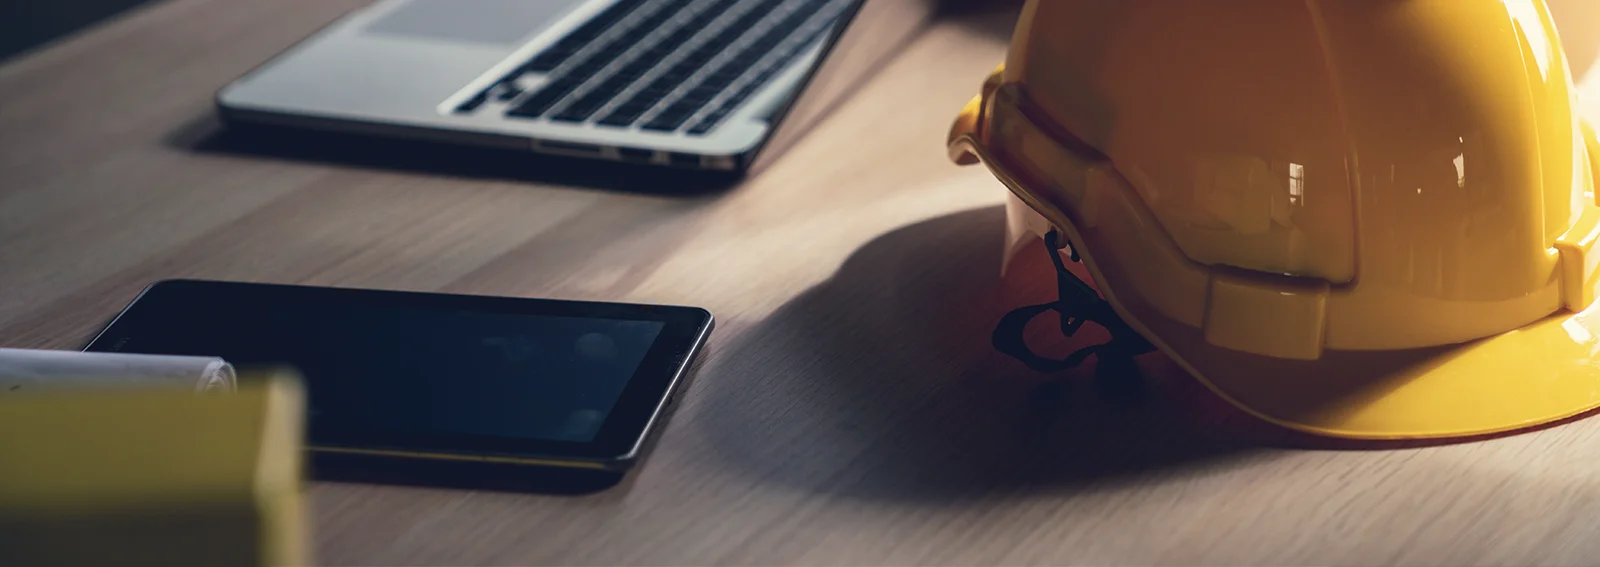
<point>1541,373</point>
<point>1538,374</point>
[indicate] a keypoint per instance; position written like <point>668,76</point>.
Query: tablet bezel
<point>618,441</point>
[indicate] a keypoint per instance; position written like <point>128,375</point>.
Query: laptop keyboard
<point>663,65</point>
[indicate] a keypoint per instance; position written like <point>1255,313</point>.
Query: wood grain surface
<point>850,410</point>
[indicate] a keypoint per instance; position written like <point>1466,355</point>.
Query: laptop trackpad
<point>476,21</point>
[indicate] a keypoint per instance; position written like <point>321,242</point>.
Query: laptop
<point>696,84</point>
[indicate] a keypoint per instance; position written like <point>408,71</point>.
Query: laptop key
<point>564,48</point>
<point>541,101</point>
<point>565,83</point>
<point>681,110</point>
<point>506,91</point>
<point>591,101</point>
<point>667,120</point>
<point>793,50</point>
<point>473,103</point>
<point>580,89</point>
<point>688,66</point>
<point>640,102</point>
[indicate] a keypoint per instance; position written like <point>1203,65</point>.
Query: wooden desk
<point>850,410</point>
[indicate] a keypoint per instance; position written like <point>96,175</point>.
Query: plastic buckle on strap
<point>1076,303</point>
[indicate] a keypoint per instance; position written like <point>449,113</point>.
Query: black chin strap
<point>1077,303</point>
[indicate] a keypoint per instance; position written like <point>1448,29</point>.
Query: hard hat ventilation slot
<point>1077,303</point>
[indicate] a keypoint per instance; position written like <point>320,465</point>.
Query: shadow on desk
<point>880,383</point>
<point>208,135</point>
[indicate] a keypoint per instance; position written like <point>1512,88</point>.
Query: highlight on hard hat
<point>1371,220</point>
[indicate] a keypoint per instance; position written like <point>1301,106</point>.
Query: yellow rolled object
<point>24,370</point>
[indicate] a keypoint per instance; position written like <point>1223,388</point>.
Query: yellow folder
<point>154,476</point>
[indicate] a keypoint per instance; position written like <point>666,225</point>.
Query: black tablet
<point>438,376</point>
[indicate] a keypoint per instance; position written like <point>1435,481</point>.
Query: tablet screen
<point>434,372</point>
<point>546,377</point>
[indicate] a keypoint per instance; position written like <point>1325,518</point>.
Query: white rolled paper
<point>26,369</point>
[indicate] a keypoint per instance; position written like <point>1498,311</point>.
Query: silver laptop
<point>702,84</point>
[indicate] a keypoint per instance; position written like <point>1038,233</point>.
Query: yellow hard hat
<point>1371,220</point>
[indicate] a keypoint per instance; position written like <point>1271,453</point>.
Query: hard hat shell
<point>1359,219</point>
